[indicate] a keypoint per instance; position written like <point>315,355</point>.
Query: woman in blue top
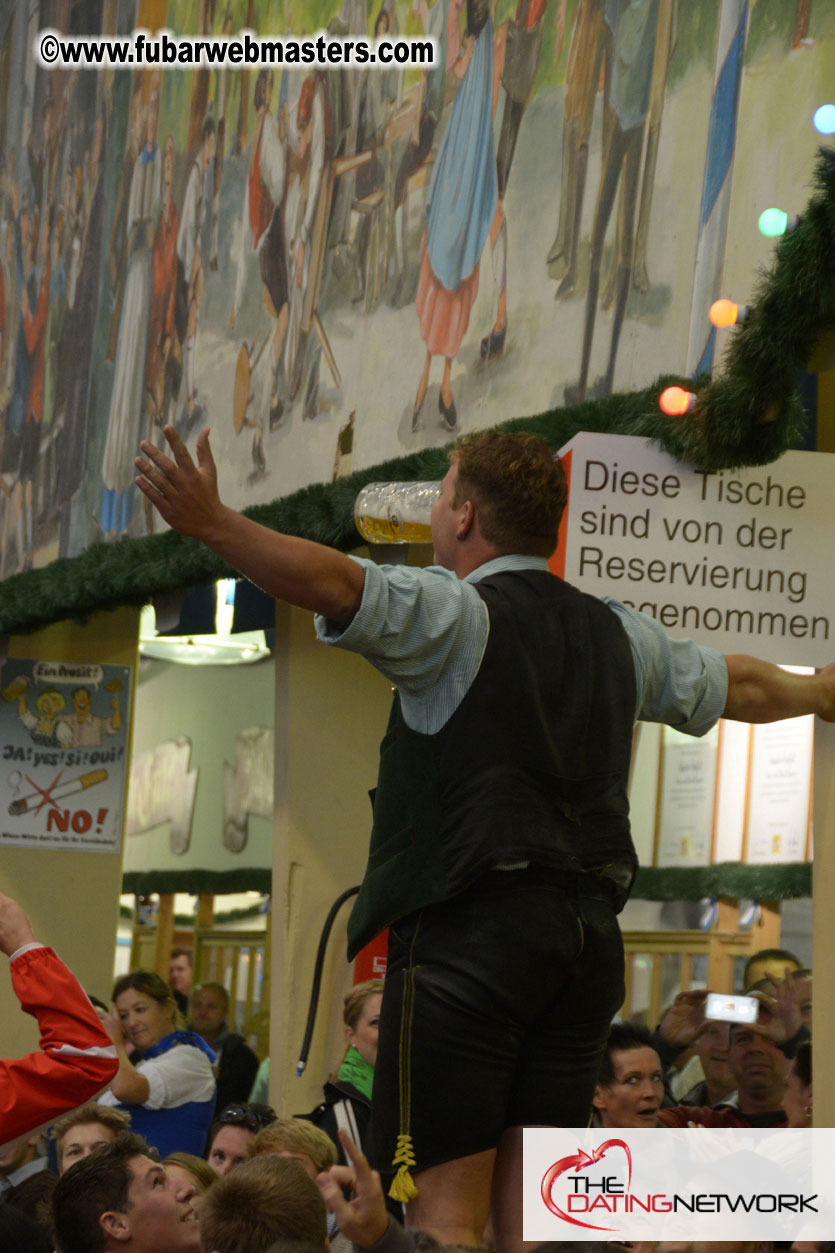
<point>167,1085</point>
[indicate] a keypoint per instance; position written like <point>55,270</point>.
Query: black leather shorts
<point>496,1009</point>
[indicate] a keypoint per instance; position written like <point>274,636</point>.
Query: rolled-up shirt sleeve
<point>424,629</point>
<point>180,1075</point>
<point>679,682</point>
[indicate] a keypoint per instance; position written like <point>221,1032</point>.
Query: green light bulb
<point>773,222</point>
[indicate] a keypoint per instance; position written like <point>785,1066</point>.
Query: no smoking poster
<point>63,761</point>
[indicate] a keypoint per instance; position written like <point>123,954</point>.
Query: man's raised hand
<point>184,492</point>
<point>364,1218</point>
<point>15,928</point>
<point>684,1019</point>
<point>299,571</point>
<point>780,1016</point>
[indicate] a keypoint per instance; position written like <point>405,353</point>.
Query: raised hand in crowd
<point>364,1218</point>
<point>684,1019</point>
<point>15,928</point>
<point>780,1015</point>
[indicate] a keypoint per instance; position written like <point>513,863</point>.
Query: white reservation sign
<point>739,560</point>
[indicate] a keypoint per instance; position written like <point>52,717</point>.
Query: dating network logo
<point>581,1194</point>
<point>584,1190</point>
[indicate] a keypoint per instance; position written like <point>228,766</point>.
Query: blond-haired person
<point>347,1102</point>
<point>80,1132</point>
<point>299,1139</point>
<point>308,1144</point>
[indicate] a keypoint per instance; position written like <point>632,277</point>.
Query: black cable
<point>317,976</point>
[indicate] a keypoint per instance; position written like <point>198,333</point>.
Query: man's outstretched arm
<point>299,571</point>
<point>761,692</point>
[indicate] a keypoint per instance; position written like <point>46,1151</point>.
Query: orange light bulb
<point>676,401</point>
<point>723,312</point>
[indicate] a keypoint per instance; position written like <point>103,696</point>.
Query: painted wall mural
<point>333,268</point>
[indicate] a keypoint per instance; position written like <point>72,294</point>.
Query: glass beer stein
<point>396,513</point>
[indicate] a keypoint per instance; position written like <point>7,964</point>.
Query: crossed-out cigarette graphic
<point>25,803</point>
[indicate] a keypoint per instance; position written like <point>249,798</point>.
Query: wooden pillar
<point>331,709</point>
<point>206,909</point>
<point>204,921</point>
<point>266,983</point>
<point>165,934</point>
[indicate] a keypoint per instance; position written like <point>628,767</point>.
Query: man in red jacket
<point>77,1057</point>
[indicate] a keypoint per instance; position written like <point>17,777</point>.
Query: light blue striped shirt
<point>426,631</point>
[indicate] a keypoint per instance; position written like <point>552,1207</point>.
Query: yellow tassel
<point>403,1187</point>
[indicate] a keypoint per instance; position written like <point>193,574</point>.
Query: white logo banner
<point>703,1183</point>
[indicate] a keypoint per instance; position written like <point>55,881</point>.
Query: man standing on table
<point>501,851</point>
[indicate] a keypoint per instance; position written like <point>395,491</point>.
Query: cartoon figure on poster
<point>63,765</point>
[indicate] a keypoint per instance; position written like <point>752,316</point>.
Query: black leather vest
<point>532,766</point>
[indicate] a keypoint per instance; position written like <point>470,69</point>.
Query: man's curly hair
<point>518,487</point>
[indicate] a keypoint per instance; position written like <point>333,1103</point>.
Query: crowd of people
<point>158,1162</point>
<point>751,1074</point>
<point>159,1140</point>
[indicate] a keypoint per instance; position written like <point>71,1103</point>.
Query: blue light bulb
<point>824,119</point>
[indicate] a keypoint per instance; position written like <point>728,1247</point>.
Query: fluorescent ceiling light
<point>220,649</point>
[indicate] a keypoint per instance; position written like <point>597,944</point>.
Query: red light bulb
<point>676,401</point>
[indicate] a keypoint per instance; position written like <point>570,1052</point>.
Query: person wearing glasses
<point>167,1084</point>
<point>233,1132</point>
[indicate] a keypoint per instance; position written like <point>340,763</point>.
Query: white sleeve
<point>182,1074</point>
<point>272,161</point>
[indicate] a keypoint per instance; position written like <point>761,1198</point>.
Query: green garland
<point>199,882</point>
<point>729,878</point>
<point>758,883</point>
<point>749,416</point>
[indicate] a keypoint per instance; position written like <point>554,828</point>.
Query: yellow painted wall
<point>72,898</point>
<point>331,711</point>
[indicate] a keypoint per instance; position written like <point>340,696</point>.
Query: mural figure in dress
<point>460,207</point>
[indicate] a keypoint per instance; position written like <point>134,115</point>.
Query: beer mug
<point>396,513</point>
